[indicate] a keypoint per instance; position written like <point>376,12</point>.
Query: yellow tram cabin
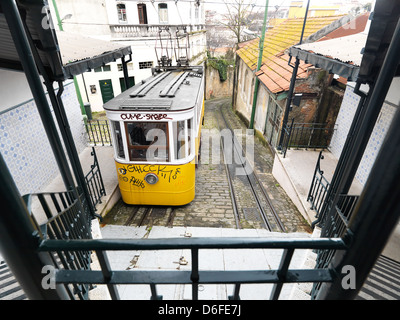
<point>155,129</point>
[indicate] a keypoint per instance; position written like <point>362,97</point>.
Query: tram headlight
<point>151,178</point>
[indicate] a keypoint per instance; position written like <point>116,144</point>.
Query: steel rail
<point>264,192</point>
<point>135,210</point>
<point>230,184</point>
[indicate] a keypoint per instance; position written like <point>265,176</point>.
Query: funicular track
<point>138,216</point>
<point>262,203</point>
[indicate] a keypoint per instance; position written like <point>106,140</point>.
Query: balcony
<point>122,31</point>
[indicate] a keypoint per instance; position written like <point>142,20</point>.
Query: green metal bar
<point>78,91</point>
<point>184,277</point>
<point>199,243</point>
<point>259,62</point>
<point>79,96</point>
<point>59,22</point>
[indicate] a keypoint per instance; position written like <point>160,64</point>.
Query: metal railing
<point>67,219</point>
<point>98,132</point>
<point>333,225</point>
<point>195,276</point>
<point>94,181</point>
<point>319,187</point>
<point>306,136</point>
<point>149,30</point>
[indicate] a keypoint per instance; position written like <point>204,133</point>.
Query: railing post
<point>283,268</point>
<point>107,274</point>
<point>195,273</point>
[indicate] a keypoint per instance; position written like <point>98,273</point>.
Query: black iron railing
<point>306,136</point>
<point>195,276</point>
<point>333,223</point>
<point>67,219</point>
<point>94,181</point>
<point>319,187</point>
<point>98,132</point>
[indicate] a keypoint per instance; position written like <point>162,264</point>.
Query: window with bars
<point>145,64</point>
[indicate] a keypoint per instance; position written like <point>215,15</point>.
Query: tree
<point>236,18</point>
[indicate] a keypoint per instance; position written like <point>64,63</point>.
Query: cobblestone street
<point>212,206</point>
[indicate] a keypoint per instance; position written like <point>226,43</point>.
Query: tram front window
<point>147,141</point>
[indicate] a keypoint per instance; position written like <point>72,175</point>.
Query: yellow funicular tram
<point>155,128</point>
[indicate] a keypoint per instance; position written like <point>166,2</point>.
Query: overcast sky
<point>260,4</point>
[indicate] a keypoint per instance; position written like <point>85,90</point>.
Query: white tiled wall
<point>343,123</point>
<point>25,147</point>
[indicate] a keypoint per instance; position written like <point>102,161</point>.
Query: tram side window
<point>182,136</point>
<point>147,141</point>
<point>179,136</point>
<point>118,137</point>
<point>190,135</point>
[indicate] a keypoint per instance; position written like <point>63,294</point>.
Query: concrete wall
<point>89,17</point>
<point>215,88</point>
<point>20,89</point>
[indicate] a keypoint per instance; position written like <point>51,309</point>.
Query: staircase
<point>383,282</point>
<point>9,287</point>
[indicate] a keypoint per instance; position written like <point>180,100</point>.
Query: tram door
<point>106,89</point>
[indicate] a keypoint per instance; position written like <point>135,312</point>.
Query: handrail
<point>194,276</point>
<point>94,181</point>
<point>192,243</point>
<point>306,135</point>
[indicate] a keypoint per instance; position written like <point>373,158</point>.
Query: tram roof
<point>172,90</point>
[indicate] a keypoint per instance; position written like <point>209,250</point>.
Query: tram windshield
<point>147,141</point>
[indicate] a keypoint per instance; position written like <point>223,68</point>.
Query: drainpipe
<point>292,83</point>
<point>59,22</point>
<point>259,62</point>
<point>78,91</point>
<point>25,54</point>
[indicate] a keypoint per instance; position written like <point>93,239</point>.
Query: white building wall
<point>23,141</point>
<point>94,17</point>
<point>178,13</point>
<point>344,121</point>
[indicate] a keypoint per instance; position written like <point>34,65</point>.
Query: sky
<point>260,4</point>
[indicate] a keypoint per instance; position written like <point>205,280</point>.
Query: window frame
<point>121,12</point>
<point>164,10</point>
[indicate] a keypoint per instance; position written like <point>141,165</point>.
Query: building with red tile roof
<point>275,72</point>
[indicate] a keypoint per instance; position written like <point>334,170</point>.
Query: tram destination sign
<point>145,116</point>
